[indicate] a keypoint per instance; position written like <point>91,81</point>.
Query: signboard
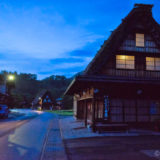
<point>106,104</point>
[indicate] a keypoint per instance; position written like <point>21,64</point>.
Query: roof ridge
<point>141,5</point>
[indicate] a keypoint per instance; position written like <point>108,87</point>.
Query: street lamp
<point>9,84</point>
<point>11,77</point>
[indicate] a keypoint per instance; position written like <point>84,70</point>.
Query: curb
<point>62,137</point>
<point>53,145</point>
<point>45,141</point>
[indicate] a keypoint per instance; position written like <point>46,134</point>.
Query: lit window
<point>152,64</point>
<point>125,62</point>
<point>139,40</point>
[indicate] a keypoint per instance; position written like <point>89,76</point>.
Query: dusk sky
<point>59,37</point>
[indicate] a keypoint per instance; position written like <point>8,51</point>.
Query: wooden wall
<point>132,110</point>
<point>139,71</point>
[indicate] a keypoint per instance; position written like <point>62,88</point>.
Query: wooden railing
<point>153,75</point>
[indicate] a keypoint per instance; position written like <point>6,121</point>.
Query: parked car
<point>4,111</point>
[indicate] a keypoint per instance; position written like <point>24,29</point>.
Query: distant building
<point>3,91</point>
<point>59,103</point>
<point>121,84</point>
<point>43,100</point>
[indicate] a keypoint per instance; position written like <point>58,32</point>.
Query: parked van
<point>4,111</point>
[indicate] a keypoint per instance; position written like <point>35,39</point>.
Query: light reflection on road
<point>27,112</point>
<point>26,141</point>
<point>39,112</point>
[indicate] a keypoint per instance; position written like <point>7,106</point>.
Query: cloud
<point>43,67</point>
<point>68,60</point>
<point>56,37</point>
<point>41,40</point>
<point>35,33</point>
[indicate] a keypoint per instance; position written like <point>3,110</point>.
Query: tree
<point>27,87</point>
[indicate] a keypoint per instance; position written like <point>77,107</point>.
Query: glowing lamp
<point>11,77</point>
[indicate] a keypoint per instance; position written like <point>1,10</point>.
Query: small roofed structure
<point>59,103</point>
<point>43,100</point>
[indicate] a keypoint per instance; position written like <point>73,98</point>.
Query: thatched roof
<point>140,18</point>
<point>41,94</point>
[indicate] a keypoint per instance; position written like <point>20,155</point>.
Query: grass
<point>62,112</point>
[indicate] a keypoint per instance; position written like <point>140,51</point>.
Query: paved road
<point>25,137</point>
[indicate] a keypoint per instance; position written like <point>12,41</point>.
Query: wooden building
<point>121,85</point>
<point>43,100</point>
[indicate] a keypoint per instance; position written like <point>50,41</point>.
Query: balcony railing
<point>150,75</point>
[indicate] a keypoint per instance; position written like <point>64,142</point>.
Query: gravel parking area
<point>114,148</point>
<point>72,128</point>
<point>82,144</point>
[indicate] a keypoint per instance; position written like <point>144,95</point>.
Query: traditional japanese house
<point>43,100</point>
<point>121,85</point>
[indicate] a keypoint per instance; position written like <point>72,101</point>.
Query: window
<point>139,40</point>
<point>152,64</point>
<point>125,62</point>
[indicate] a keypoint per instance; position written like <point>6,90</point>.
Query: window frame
<point>125,62</point>
<point>154,64</point>
<point>136,37</point>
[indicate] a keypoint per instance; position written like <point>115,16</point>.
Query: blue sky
<point>60,37</point>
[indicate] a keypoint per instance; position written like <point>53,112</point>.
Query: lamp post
<point>9,83</point>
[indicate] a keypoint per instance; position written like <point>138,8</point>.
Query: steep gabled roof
<point>41,94</point>
<point>141,15</point>
<point>139,18</point>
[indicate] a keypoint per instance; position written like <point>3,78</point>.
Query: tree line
<point>27,87</point>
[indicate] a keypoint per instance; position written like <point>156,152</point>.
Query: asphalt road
<point>22,135</point>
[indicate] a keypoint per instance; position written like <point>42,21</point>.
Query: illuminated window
<point>139,40</point>
<point>125,62</point>
<point>152,64</point>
